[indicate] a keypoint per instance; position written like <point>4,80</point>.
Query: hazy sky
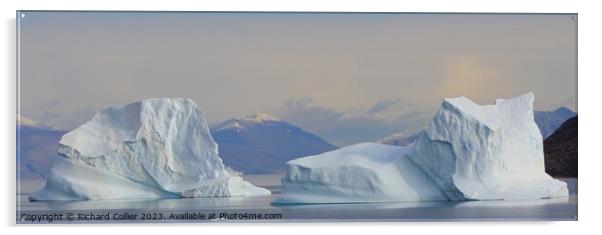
<point>345,77</point>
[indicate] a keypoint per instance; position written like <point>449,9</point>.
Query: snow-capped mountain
<point>263,144</point>
<point>37,146</point>
<point>25,121</point>
<point>549,121</point>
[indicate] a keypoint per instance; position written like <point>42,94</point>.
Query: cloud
<point>348,127</point>
<point>382,106</point>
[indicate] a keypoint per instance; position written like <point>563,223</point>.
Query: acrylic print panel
<point>192,117</point>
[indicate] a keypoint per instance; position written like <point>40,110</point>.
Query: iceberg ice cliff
<point>154,148</point>
<point>365,172</point>
<point>468,152</point>
<point>486,152</point>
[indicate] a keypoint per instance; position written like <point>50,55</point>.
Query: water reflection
<point>554,208</point>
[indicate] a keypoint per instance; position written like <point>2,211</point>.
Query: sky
<point>346,77</point>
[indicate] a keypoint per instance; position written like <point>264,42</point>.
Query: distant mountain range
<point>37,146</point>
<point>263,144</point>
<point>561,150</point>
<point>549,121</point>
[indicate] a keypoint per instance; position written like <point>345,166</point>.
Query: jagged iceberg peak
<point>161,143</point>
<point>486,152</point>
<point>166,139</point>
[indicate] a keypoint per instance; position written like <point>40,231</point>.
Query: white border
<point>588,88</point>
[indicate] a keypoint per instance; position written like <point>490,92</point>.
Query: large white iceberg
<point>154,148</point>
<point>486,152</point>
<point>468,152</point>
<point>365,172</point>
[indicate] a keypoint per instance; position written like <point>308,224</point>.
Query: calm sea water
<point>230,208</point>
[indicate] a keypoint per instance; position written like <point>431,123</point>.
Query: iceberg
<point>155,148</point>
<point>486,152</point>
<point>468,152</point>
<point>69,180</point>
<point>366,172</point>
